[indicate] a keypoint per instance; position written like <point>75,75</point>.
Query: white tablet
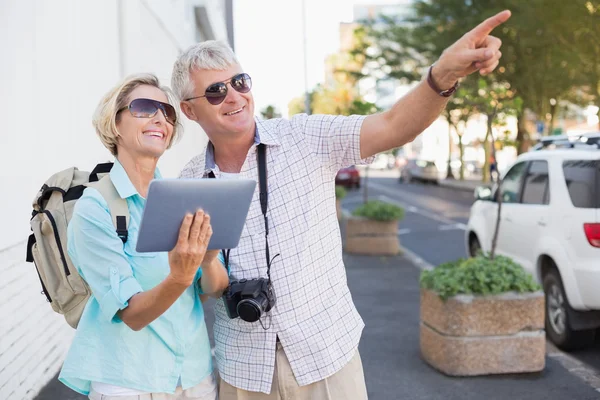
<point>168,200</point>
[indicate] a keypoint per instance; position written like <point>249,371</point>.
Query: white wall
<point>58,58</point>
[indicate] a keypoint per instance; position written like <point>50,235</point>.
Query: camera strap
<point>261,156</point>
<point>264,200</point>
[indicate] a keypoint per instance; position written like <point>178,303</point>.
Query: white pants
<point>198,392</point>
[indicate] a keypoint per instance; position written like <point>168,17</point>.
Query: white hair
<point>210,54</point>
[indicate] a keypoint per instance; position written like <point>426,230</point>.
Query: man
<point>306,347</point>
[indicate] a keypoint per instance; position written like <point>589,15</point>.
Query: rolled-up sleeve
<point>335,140</point>
<point>97,253</point>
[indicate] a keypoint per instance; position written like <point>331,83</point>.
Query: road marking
<point>404,231</point>
<point>453,227</point>
<point>427,214</point>
<point>415,259</point>
<point>586,373</point>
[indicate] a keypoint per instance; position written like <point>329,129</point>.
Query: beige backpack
<point>53,206</point>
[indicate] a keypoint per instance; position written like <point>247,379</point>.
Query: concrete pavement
<point>386,293</point>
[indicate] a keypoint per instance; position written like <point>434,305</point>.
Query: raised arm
<point>477,50</point>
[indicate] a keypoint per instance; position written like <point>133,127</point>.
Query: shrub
<point>379,211</point>
<point>479,276</point>
<point>340,192</point>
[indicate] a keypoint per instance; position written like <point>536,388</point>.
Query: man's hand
<point>476,50</point>
<point>417,110</point>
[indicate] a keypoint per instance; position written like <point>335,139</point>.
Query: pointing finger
<point>483,29</point>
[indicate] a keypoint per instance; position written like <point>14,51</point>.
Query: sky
<point>269,42</point>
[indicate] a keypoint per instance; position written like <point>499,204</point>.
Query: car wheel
<point>558,328</point>
<point>406,178</point>
<point>357,185</point>
<point>474,246</point>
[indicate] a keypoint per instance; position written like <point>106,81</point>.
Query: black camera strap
<point>264,202</point>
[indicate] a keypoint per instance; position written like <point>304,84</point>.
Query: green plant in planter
<point>379,211</point>
<point>340,192</point>
<point>480,275</point>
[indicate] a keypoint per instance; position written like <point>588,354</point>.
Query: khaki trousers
<point>346,384</point>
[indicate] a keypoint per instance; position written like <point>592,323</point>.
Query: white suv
<point>551,226</point>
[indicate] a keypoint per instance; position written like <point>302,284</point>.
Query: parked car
<point>348,177</point>
<point>421,170</point>
<point>550,224</point>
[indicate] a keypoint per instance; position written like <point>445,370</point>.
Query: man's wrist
<point>442,78</point>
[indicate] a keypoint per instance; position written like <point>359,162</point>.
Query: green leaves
<point>478,276</point>
<point>379,211</point>
<point>340,192</point>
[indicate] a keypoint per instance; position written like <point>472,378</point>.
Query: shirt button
<point>113,271</point>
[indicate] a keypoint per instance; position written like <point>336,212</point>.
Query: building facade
<point>59,57</point>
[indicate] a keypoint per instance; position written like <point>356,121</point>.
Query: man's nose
<point>232,94</point>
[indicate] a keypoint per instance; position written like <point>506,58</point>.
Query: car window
<point>536,187</point>
<point>583,182</point>
<point>511,183</point>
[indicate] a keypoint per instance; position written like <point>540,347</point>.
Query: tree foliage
<point>538,58</point>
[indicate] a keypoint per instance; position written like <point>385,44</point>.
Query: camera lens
<point>249,310</point>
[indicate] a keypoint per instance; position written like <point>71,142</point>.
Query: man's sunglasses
<point>147,108</point>
<point>216,93</point>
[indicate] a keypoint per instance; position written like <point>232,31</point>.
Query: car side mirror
<point>483,193</point>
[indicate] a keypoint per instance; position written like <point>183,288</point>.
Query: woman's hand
<point>190,250</point>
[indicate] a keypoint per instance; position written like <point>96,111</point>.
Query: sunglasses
<point>147,108</point>
<point>216,93</point>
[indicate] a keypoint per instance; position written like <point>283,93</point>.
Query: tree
<point>537,68</point>
<point>270,112</point>
<point>587,42</point>
<point>496,101</point>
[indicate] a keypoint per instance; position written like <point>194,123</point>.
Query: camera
<point>249,299</point>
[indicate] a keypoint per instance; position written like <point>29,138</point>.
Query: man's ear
<point>188,110</point>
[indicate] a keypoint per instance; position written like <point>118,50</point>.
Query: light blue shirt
<point>172,347</point>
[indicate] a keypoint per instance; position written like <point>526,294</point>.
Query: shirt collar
<point>121,180</point>
<point>262,134</point>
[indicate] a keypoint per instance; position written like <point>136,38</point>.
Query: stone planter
<point>480,335</point>
<point>369,237</point>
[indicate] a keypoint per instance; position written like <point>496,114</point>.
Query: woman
<point>142,334</point>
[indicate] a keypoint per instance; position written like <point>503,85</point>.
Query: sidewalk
<point>386,293</point>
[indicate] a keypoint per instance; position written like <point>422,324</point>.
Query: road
<point>434,223</point>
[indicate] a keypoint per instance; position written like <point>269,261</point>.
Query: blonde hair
<point>106,115</point>
<point>210,54</point>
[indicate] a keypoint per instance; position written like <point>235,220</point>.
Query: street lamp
<point>306,94</point>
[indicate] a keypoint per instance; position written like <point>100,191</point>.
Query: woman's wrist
<point>179,281</point>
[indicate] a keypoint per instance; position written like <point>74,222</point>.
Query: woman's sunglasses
<point>147,108</point>
<point>216,93</point>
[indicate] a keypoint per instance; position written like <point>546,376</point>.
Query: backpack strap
<point>117,205</point>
